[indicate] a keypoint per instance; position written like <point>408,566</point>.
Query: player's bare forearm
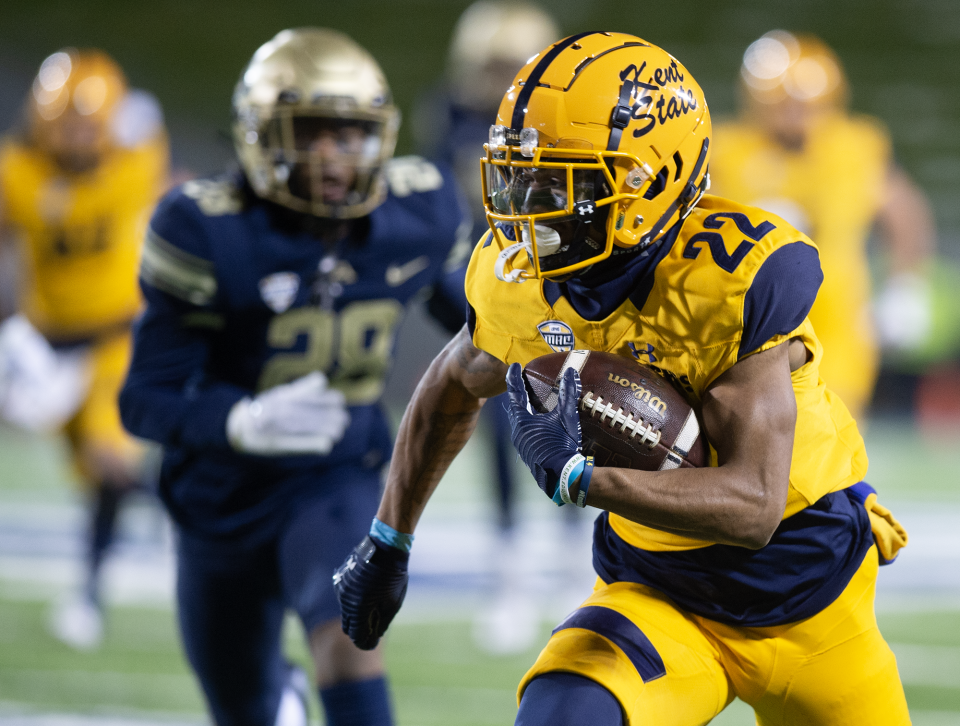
<point>749,415</point>
<point>906,223</point>
<point>435,427</point>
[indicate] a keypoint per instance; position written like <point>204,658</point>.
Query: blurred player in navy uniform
<point>273,297</point>
<point>490,42</point>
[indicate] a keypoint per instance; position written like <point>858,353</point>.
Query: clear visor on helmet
<point>515,190</point>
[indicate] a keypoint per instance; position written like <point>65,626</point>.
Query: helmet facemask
<point>556,204</point>
<point>315,124</point>
<point>328,165</point>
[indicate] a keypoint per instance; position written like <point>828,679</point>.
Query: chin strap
<point>508,255</point>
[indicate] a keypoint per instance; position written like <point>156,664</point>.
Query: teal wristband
<point>585,482</point>
<point>389,536</point>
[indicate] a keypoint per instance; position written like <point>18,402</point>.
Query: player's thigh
<point>650,655</point>
<point>102,448</point>
<point>320,531</point>
<point>231,613</point>
<point>855,683</point>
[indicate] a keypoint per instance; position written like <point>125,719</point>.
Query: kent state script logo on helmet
<point>602,142</point>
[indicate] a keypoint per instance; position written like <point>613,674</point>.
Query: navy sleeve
<point>448,303</point>
<point>166,397</point>
<point>781,295</point>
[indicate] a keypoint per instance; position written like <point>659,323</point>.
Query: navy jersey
<point>242,296</point>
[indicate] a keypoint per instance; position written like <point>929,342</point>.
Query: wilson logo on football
<point>640,393</point>
<point>557,335</point>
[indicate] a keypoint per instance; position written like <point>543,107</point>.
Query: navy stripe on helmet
<point>623,633</point>
<point>520,108</point>
<point>657,228</point>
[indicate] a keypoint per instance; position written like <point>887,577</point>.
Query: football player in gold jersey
<point>797,151</point>
<point>76,189</point>
<point>753,577</point>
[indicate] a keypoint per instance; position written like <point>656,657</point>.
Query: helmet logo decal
<point>557,335</point>
<point>681,103</point>
<point>585,210</point>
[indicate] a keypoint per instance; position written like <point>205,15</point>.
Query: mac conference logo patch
<point>279,290</point>
<point>557,335</point>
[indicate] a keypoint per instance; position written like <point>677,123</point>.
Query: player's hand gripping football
<point>301,417</point>
<point>370,585</point>
<point>549,443</point>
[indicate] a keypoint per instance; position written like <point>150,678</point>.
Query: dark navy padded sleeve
<point>781,295</point>
<point>448,304</point>
<point>166,397</point>
<point>176,220</point>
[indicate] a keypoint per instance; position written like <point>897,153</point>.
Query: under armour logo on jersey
<point>648,351</point>
<point>585,210</point>
<point>279,290</point>
<point>557,335</point>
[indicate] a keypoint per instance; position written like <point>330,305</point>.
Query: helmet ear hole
<point>657,185</point>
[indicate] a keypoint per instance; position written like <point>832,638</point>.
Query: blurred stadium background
<point>903,61</point>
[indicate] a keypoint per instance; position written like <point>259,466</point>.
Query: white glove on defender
<point>40,388</point>
<point>301,417</point>
<point>904,312</point>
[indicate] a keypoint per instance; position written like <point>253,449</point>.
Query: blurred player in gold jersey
<point>76,189</point>
<point>798,152</point>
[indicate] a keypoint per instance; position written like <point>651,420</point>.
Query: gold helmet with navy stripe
<point>300,78</point>
<point>602,141</point>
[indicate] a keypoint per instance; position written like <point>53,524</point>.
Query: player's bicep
<point>750,414</point>
<point>475,370</point>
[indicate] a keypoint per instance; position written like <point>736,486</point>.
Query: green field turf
<point>439,677</point>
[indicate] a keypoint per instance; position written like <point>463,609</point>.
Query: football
<point>630,416</point>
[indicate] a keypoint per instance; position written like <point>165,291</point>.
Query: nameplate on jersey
<point>279,290</point>
<point>557,335</point>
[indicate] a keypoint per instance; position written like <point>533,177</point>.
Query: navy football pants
<point>232,598</point>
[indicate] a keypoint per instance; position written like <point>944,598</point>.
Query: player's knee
<point>566,699</point>
<point>337,660</point>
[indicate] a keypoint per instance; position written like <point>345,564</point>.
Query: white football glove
<point>301,417</point>
<point>903,312</point>
<point>40,388</point>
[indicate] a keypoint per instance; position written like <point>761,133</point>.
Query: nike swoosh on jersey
<point>399,274</point>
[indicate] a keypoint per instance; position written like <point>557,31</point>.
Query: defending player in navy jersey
<point>273,300</point>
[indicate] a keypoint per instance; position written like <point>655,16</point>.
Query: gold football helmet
<point>300,81</point>
<point>490,41</point>
<point>71,105</point>
<point>602,141</point>
<point>779,66</point>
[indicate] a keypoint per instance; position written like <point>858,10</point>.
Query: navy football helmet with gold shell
<point>301,80</point>
<point>602,141</point>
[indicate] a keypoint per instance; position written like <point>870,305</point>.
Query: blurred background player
<point>273,299</point>
<point>798,152</point>
<point>490,42</point>
<point>77,184</point>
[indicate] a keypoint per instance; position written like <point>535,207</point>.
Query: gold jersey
<point>728,282</point>
<point>831,190</point>
<point>81,234</point>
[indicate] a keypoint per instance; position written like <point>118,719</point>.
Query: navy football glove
<point>549,443</point>
<point>370,585</point>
